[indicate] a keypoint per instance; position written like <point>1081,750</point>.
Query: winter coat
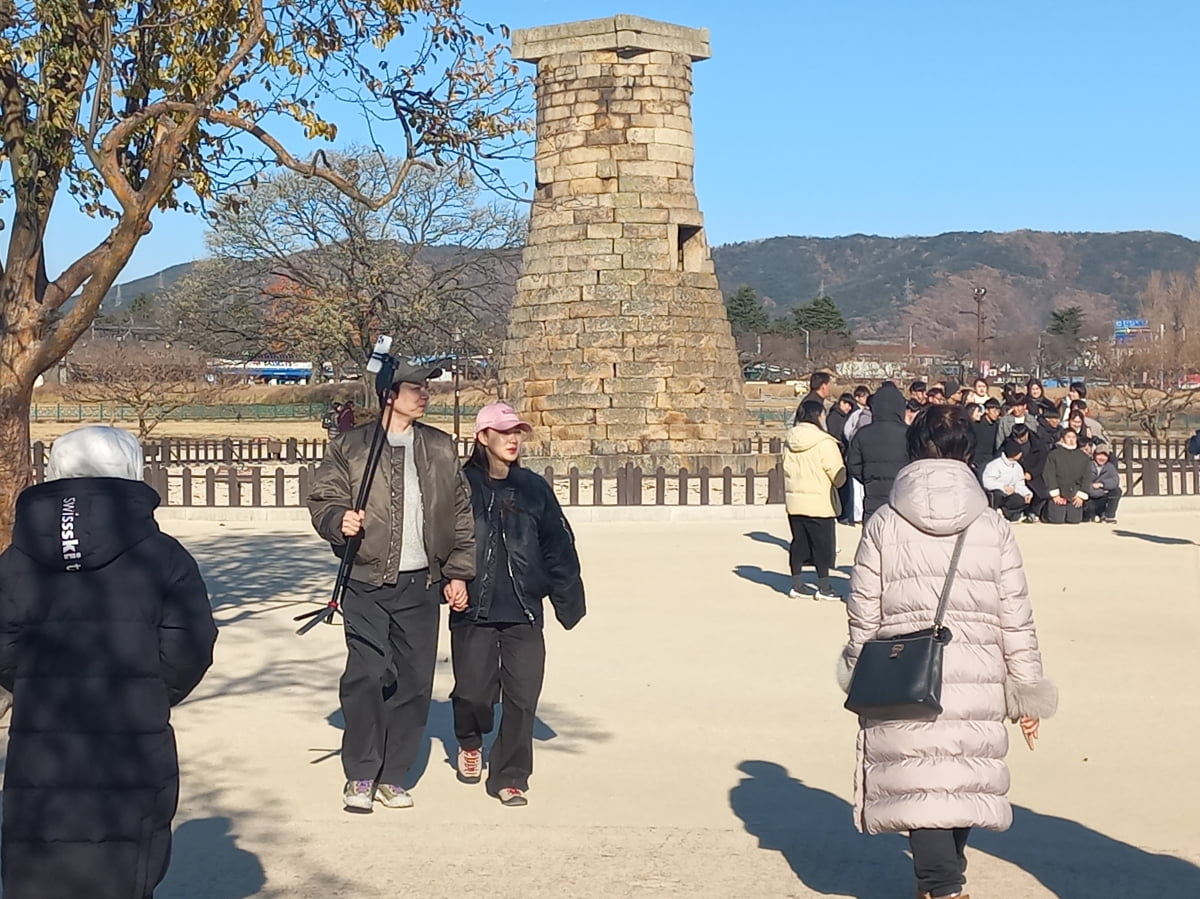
<point>1106,476</point>
<point>1003,472</point>
<point>1040,406</point>
<point>879,450</point>
<point>445,498</point>
<point>985,442</point>
<point>947,770</point>
<point>1068,473</point>
<point>812,472</point>
<point>835,424</point>
<point>858,419</point>
<point>1008,422</point>
<point>105,623</point>
<point>523,512</point>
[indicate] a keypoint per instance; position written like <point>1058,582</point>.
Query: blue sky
<point>899,118</point>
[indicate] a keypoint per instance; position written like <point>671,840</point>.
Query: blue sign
<point>1126,325</point>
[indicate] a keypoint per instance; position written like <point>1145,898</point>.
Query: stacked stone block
<point>618,341</point>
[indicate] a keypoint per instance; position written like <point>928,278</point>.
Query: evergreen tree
<point>746,312</point>
<point>1066,322</point>
<point>821,315</point>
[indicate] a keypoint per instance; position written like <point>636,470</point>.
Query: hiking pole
<point>383,386</point>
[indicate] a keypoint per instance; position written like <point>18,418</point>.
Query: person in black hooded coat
<point>879,450</point>
<point>105,623</point>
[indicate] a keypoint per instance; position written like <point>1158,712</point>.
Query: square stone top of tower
<point>624,34</point>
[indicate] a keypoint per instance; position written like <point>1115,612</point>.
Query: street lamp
<point>980,319</point>
<point>807,353</point>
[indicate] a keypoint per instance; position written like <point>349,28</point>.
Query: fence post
<point>597,487</point>
<point>750,491</point>
<point>281,488</point>
<point>1149,477</point>
<point>256,486</point>
<point>573,486</point>
<point>290,455</point>
<point>38,457</point>
<point>682,498</point>
<point>727,486</point>
<point>548,476</point>
<point>775,484</point>
<point>186,480</point>
<point>1127,461</point>
<point>704,476</point>
<point>210,487</point>
<point>636,486</point>
<point>660,486</point>
<point>622,477</point>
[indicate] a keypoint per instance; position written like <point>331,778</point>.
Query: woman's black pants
<point>814,542</point>
<point>939,860</point>
<point>504,663</point>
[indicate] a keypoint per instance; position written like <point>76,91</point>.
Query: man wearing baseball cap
<point>418,546</point>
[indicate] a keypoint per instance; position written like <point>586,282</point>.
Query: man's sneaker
<point>827,595</point>
<point>470,765</point>
<point>393,796</point>
<point>802,593</point>
<point>1031,519</point>
<point>1110,521</point>
<point>356,796</point>
<point>512,797</point>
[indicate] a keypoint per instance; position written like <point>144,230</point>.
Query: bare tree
<point>151,381</point>
<point>434,267</point>
<point>1155,376</point>
<point>138,107</point>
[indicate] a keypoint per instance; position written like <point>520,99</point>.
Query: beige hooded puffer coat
<point>812,472</point>
<point>945,771</point>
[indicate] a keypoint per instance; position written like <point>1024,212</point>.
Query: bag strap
<point>945,597</point>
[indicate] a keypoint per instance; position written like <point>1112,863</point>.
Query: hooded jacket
<point>879,450</point>
<point>105,623</point>
<point>523,513</point>
<point>947,770</point>
<point>1106,476</point>
<point>812,472</point>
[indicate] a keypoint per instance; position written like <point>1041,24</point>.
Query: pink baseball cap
<point>499,417</point>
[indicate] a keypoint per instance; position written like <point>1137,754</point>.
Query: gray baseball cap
<point>409,373</point>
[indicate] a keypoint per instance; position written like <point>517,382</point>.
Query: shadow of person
<point>764,537</point>
<point>1074,861</point>
<point>777,581</point>
<point>1155,538</point>
<point>205,852</point>
<point>814,831</point>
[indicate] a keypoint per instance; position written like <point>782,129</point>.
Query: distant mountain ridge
<point>885,284</point>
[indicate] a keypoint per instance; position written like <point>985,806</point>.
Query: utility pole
<point>980,293</point>
<point>807,352</point>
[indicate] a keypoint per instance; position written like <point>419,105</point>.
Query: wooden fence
<point>243,476</point>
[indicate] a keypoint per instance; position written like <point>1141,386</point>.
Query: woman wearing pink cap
<point>525,551</point>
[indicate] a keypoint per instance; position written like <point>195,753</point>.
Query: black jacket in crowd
<point>1068,473</point>
<point>985,443</point>
<point>835,424</point>
<point>879,450</point>
<point>105,623</point>
<point>522,511</point>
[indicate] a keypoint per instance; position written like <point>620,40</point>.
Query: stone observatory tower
<point>618,342</point>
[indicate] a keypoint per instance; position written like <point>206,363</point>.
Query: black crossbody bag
<point>901,677</point>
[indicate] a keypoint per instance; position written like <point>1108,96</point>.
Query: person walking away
<point>418,545</point>
<point>813,471</point>
<point>877,452</point>
<point>1104,492</point>
<point>1068,477</point>
<point>524,551</point>
<point>1004,480</point>
<point>105,624</point>
<point>938,777</point>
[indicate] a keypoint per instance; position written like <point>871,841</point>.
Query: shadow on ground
<point>782,583</point>
<point>204,851</point>
<point>1155,538</point>
<point>814,831</point>
<point>252,575</point>
<point>441,747</point>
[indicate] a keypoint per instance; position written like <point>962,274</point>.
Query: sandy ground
<point>691,738</point>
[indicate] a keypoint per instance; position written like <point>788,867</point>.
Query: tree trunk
<point>16,472</point>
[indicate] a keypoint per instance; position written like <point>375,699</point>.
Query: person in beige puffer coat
<point>938,777</point>
<point>812,473</point>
